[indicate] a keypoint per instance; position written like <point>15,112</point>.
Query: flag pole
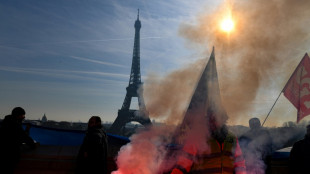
<point>278,96</point>
<point>272,107</point>
<point>284,88</point>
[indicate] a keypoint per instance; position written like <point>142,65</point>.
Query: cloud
<point>98,62</point>
<point>62,73</point>
<point>83,41</point>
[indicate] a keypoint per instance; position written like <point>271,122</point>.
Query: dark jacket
<point>12,136</point>
<point>300,156</point>
<point>92,157</point>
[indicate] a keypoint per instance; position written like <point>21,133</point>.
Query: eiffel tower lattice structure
<point>125,114</point>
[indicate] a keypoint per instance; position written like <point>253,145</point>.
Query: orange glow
<point>227,24</point>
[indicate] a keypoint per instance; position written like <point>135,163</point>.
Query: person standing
<point>223,154</point>
<point>300,155</point>
<point>92,157</point>
<point>12,136</point>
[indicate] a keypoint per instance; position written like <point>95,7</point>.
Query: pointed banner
<point>206,100</point>
<point>297,89</point>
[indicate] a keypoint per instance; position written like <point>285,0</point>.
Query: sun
<point>227,24</point>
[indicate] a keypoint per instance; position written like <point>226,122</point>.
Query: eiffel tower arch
<point>125,114</point>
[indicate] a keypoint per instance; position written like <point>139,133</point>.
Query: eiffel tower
<point>125,114</point>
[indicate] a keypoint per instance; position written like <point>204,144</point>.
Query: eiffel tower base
<point>127,116</point>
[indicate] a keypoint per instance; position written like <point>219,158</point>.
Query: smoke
<point>149,153</point>
<point>167,97</point>
<point>267,36</point>
<point>145,152</point>
<point>256,145</point>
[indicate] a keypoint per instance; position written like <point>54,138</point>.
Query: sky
<point>71,59</point>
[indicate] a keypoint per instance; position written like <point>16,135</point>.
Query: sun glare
<point>227,25</point>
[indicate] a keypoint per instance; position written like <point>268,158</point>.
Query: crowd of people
<point>92,156</point>
<point>226,153</point>
<point>250,153</point>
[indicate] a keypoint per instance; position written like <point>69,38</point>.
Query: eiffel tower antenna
<point>125,114</point>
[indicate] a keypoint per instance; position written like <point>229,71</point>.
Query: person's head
<point>254,123</point>
<point>94,121</point>
<point>19,113</point>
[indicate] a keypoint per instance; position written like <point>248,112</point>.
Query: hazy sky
<point>71,59</point>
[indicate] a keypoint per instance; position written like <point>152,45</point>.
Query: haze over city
<point>71,59</point>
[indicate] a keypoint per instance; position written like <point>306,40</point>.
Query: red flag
<point>297,89</point>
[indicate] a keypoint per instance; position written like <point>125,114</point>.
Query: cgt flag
<point>297,89</point>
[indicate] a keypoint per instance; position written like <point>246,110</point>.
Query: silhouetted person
<point>92,157</point>
<point>12,136</point>
<point>256,145</point>
<point>300,155</point>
